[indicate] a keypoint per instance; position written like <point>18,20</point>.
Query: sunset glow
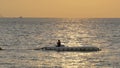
<point>60,8</point>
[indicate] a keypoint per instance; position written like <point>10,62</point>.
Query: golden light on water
<point>70,35</point>
<point>67,59</point>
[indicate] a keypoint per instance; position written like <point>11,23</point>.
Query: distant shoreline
<point>54,18</point>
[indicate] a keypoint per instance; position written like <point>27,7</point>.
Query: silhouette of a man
<point>58,43</point>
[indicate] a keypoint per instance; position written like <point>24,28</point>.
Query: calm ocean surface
<point>20,36</point>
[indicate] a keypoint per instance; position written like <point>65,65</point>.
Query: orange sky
<point>60,8</point>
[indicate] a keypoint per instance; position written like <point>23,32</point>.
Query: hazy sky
<point>60,8</point>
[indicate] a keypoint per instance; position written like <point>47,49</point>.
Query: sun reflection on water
<point>22,37</point>
<point>67,60</point>
<point>78,34</point>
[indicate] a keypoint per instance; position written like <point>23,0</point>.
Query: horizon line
<point>53,17</point>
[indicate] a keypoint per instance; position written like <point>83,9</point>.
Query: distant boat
<point>20,17</point>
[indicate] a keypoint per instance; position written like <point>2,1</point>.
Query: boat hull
<point>85,49</point>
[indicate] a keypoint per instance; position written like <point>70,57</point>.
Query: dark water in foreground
<point>20,36</point>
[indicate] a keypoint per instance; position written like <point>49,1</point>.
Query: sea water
<point>20,36</point>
